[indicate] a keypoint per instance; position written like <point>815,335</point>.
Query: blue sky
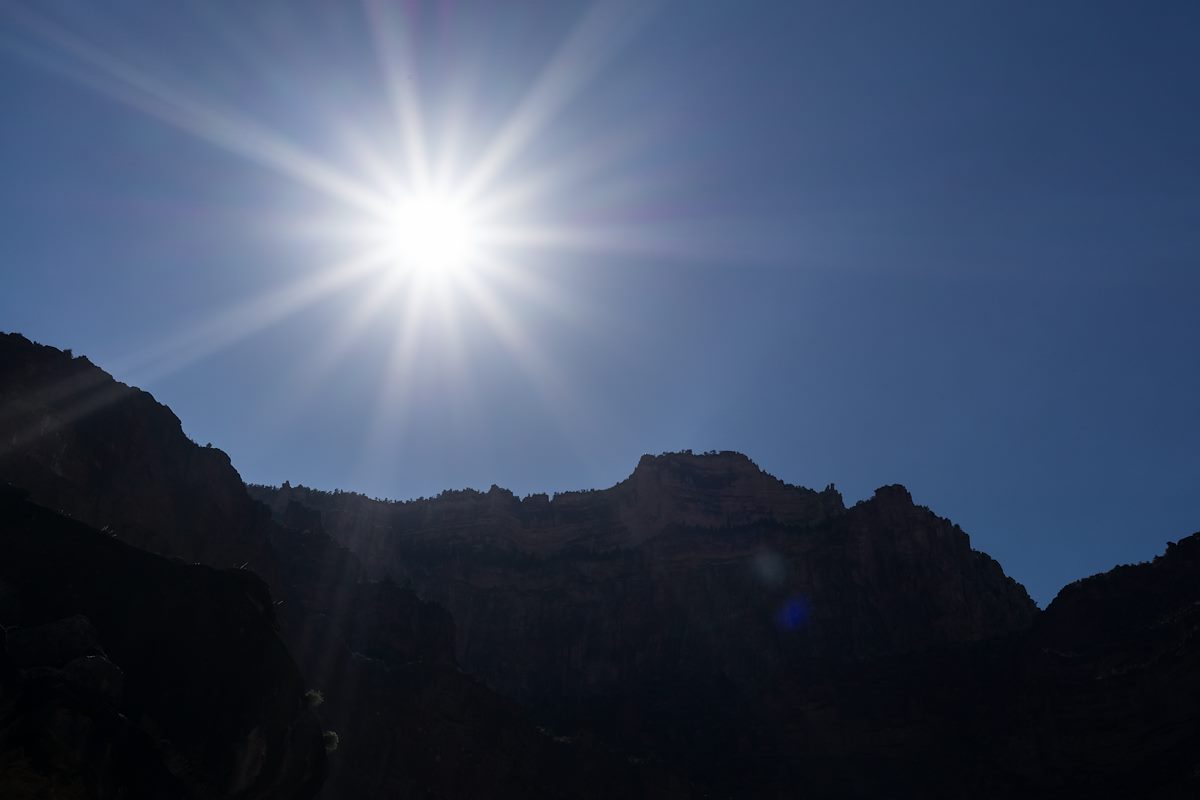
<point>951,245</point>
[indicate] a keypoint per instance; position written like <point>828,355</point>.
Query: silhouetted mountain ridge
<point>696,586</point>
<point>699,629</point>
<point>113,458</point>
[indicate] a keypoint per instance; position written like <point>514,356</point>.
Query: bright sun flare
<point>432,234</point>
<point>439,247</point>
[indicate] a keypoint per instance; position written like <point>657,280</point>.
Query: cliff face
<point>1100,698</point>
<point>775,640</point>
<point>409,722</point>
<point>671,612</point>
<point>700,628</point>
<point>109,455</point>
<point>693,559</point>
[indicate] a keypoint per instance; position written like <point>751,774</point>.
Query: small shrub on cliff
<point>331,741</point>
<point>314,698</point>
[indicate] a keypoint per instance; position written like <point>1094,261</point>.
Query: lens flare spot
<point>769,567</point>
<point>793,614</point>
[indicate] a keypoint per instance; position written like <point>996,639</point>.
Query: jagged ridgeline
<point>700,629</point>
<point>107,459</point>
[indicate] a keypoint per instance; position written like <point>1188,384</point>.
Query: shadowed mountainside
<point>700,619</point>
<point>410,723</point>
<point>129,675</point>
<point>679,612</point>
<point>709,539</point>
<point>764,638</point>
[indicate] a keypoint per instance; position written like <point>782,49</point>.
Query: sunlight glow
<point>433,244</point>
<point>433,234</point>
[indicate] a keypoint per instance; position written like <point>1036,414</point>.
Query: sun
<point>431,234</point>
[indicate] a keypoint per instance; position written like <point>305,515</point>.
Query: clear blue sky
<point>952,245</point>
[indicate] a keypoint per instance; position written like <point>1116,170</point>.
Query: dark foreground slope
<point>409,722</point>
<point>128,675</point>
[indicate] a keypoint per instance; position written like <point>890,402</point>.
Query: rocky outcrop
<point>409,722</point>
<point>128,675</point>
<point>712,544</point>
<point>700,619</point>
<point>111,456</point>
<point>775,639</point>
<point>671,612</point>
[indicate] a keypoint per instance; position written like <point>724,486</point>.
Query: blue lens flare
<point>793,614</point>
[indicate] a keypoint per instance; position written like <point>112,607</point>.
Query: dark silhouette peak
<point>709,472</point>
<point>1187,547</point>
<point>717,489</point>
<point>893,494</point>
<point>728,457</point>
<point>11,342</point>
<point>82,442</point>
<point>712,461</point>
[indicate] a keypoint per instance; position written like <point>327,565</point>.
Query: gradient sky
<point>951,245</point>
